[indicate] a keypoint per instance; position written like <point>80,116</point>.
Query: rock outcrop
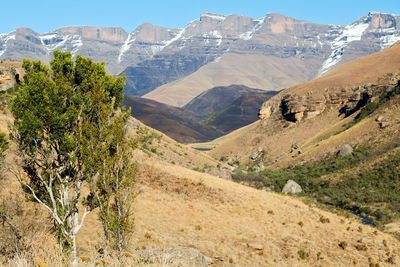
<point>293,107</point>
<point>345,150</point>
<point>291,187</point>
<point>384,124</point>
<point>9,75</point>
<point>257,154</point>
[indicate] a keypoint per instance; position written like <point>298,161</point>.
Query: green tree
<point>59,111</point>
<point>115,180</point>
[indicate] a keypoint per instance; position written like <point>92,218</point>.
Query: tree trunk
<point>73,250</point>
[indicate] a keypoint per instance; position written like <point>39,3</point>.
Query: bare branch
<point>54,215</point>
<point>78,227</point>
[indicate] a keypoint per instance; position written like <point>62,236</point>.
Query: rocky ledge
<point>295,108</point>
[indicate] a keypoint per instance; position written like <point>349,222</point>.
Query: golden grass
<point>233,68</point>
<point>229,222</point>
<point>10,63</point>
<point>226,221</point>
<point>169,150</point>
<point>234,229</point>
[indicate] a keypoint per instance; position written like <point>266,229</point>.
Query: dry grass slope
<point>229,222</point>
<point>248,70</point>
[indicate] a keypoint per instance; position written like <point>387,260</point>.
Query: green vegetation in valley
<point>212,116</point>
<point>374,192</point>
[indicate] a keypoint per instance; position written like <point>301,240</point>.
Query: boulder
<point>255,246</point>
<point>291,187</point>
<point>379,119</point>
<point>257,154</point>
<point>180,256</point>
<point>293,147</point>
<point>384,124</point>
<point>345,150</point>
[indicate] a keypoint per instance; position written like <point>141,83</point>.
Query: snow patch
<point>127,44</point>
<point>350,33</point>
<point>217,59</point>
<point>76,44</point>
<point>213,16</point>
<point>5,38</point>
<point>389,37</point>
<point>167,43</point>
<point>212,35</point>
<point>248,35</point>
<point>218,36</point>
<point>53,41</point>
<point>319,41</point>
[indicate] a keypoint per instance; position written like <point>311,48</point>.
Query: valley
<point>214,113</point>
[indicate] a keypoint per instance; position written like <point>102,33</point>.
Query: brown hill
<point>255,71</point>
<point>315,106</point>
<point>177,123</point>
<point>345,84</point>
<point>239,113</point>
<point>217,112</point>
<point>220,97</point>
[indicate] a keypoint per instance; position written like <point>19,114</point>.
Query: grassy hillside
<point>217,112</point>
<point>220,97</point>
<point>248,70</point>
<point>366,182</point>
<point>179,124</point>
<point>231,223</point>
<point>228,222</point>
<point>241,112</point>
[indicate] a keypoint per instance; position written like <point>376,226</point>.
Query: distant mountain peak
<point>372,13</point>
<point>212,16</point>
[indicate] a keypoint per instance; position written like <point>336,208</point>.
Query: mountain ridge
<point>159,61</point>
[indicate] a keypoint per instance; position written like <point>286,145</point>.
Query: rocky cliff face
<point>10,74</point>
<point>293,107</point>
<point>152,56</point>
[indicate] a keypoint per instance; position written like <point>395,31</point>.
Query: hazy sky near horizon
<point>45,15</point>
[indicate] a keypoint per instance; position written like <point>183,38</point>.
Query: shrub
<point>303,254</point>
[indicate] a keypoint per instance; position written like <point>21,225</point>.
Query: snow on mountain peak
<point>53,40</point>
<point>380,13</point>
<point>352,32</point>
<point>248,35</point>
<point>5,38</point>
<point>127,44</point>
<point>212,16</point>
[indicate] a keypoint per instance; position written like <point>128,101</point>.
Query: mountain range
<point>173,66</point>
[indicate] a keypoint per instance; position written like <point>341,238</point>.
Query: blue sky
<point>45,15</point>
